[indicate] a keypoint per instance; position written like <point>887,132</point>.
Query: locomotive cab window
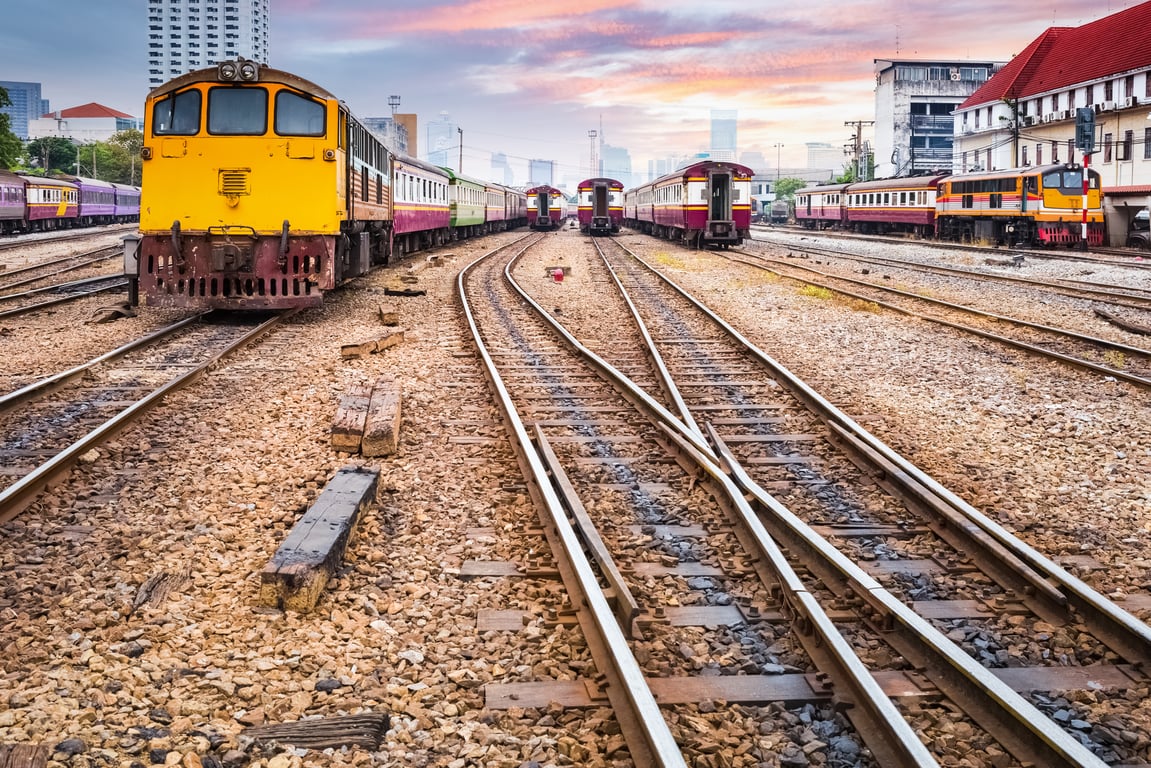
<point>177,115</point>
<point>298,115</point>
<point>237,111</point>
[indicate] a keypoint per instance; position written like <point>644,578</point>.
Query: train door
<point>599,200</point>
<point>543,214</point>
<point>720,206</point>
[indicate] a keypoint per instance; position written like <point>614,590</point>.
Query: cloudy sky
<point>530,78</point>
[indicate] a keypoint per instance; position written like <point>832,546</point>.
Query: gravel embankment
<point>207,486</point>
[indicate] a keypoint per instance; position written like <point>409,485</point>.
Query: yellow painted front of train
<point>244,189</point>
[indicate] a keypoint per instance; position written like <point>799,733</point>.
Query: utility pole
<point>858,144</point>
<point>460,170</point>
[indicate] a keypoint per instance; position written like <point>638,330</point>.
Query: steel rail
<point>634,702</point>
<point>73,268</point>
<point>61,300</point>
<point>55,381</point>
<point>23,492</point>
<point>1118,346</point>
<point>1113,625</point>
<point>982,693</point>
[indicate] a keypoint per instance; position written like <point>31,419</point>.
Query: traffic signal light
<point>1085,130</point>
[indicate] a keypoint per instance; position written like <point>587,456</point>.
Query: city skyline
<point>530,81</point>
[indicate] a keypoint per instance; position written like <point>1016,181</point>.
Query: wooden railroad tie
<point>367,420</point>
<point>296,575</point>
<point>365,348</point>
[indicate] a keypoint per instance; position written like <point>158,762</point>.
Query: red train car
<point>703,204</point>
<point>52,203</point>
<point>420,212</point>
<point>822,206</point>
<point>600,204</point>
<point>894,205</point>
<point>547,207</point>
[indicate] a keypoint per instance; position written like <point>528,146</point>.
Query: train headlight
<point>249,71</point>
<point>226,70</point>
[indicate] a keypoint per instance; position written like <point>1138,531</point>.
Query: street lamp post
<point>461,131</point>
<point>777,148</point>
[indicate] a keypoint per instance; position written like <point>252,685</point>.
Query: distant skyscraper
<point>723,134</point>
<point>443,146</point>
<point>541,172</point>
<point>26,106</point>
<point>502,169</point>
<point>185,36</point>
<point>616,163</point>
<point>823,155</point>
<point>393,132</point>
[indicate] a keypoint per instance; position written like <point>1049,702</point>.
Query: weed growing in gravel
<point>665,259</point>
<point>1115,359</point>
<point>815,292</point>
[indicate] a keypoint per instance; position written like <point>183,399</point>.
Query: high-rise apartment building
<point>186,35</point>
<point>724,128</point>
<point>26,106</point>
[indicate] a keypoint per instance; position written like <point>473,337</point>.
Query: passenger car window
<point>237,111</point>
<point>177,115</point>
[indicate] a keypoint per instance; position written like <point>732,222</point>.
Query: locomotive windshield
<point>237,111</point>
<point>1068,180</point>
<point>298,115</point>
<point>177,115</point>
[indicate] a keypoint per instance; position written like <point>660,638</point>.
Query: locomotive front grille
<point>235,182</point>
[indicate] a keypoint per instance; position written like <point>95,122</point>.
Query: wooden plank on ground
<point>364,348</point>
<point>351,415</point>
<point>382,426</point>
<point>365,731</point>
<point>23,755</point>
<point>296,575</point>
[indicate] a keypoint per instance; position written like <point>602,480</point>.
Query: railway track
<point>1106,357</point>
<point>750,407</point>
<point>46,426</point>
<point>1133,258</point>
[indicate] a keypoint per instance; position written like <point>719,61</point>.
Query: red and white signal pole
<point>1086,187</point>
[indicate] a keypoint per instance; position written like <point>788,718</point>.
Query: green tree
<point>127,146</point>
<point>10,145</point>
<point>52,154</point>
<point>785,188</point>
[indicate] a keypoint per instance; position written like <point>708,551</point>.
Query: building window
<point>1109,90</point>
<point>1039,154</point>
<point>1129,86</point>
<point>1147,139</point>
<point>1090,96</point>
<point>1127,145</point>
<point>1055,151</point>
<point>1107,141</point>
<point>1025,156</point>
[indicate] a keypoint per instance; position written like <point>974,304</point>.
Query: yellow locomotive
<point>260,190</point>
<point>1041,205</point>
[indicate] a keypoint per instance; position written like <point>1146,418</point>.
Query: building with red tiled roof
<point>1026,114</point>
<point>83,124</point>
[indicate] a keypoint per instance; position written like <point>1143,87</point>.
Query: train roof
<point>836,187</point>
<point>48,181</point>
<point>545,188</point>
<point>701,167</point>
<point>601,180</point>
<point>417,163</point>
<point>460,177</point>
<point>10,177</point>
<point>900,182</point>
<point>83,180</point>
<point>266,75</point>
<point>1031,170</point>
